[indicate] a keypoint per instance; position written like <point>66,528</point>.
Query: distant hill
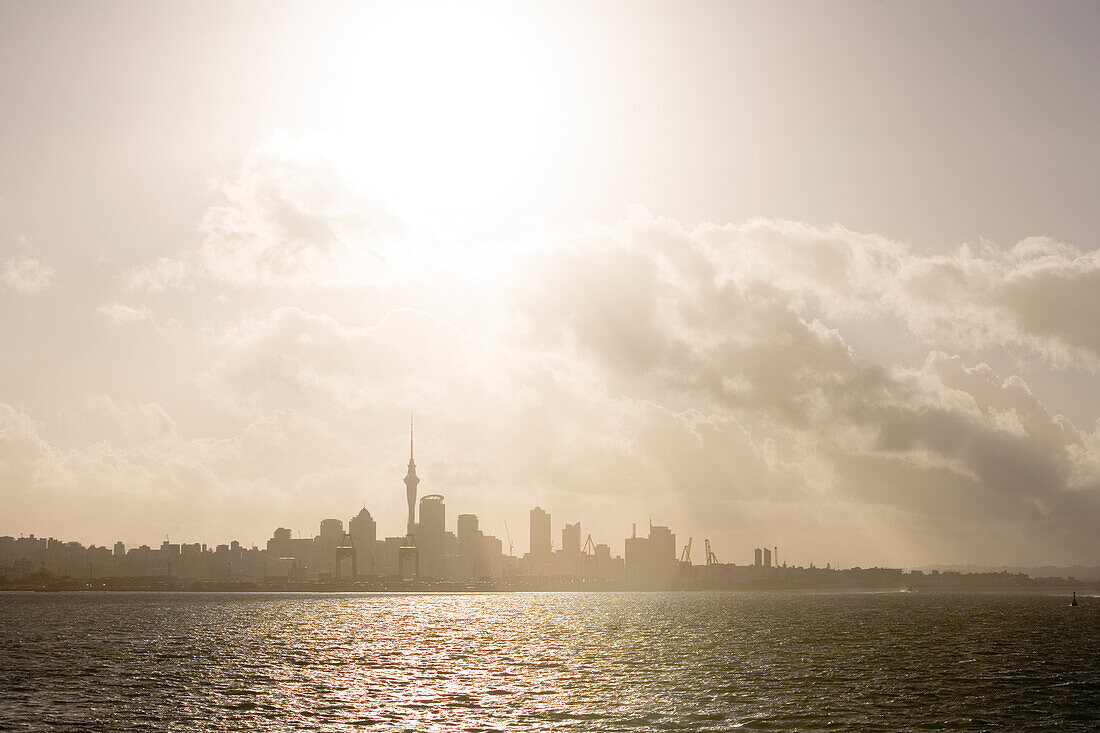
<point>1081,572</point>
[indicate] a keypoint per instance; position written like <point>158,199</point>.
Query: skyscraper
<point>637,554</point>
<point>470,543</point>
<point>411,481</point>
<point>540,533</point>
<point>430,532</point>
<point>571,541</point>
<point>662,546</point>
<point>364,532</point>
<point>332,532</point>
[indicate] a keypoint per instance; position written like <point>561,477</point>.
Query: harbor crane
<point>589,546</point>
<point>712,559</point>
<point>685,554</point>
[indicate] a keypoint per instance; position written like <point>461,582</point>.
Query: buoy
<point>1074,601</point>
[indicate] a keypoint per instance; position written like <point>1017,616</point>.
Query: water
<point>554,661</point>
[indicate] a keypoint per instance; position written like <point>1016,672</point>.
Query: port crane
<point>685,554</point>
<point>589,546</point>
<point>508,533</point>
<point>712,559</point>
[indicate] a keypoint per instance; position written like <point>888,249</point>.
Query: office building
<point>571,542</point>
<point>429,535</point>
<point>363,531</point>
<point>540,534</point>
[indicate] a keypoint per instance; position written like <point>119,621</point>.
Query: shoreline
<point>248,588</point>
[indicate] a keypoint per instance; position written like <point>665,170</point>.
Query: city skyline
<point>428,556</point>
<point>776,273</point>
<point>549,364</point>
<point>529,365</point>
<point>485,557</point>
<point>541,545</point>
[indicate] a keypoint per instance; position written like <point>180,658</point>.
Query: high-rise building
<point>470,545</point>
<point>637,555</point>
<point>651,559</point>
<point>408,560</point>
<point>767,557</point>
<point>662,546</point>
<point>571,541</point>
<point>758,561</point>
<point>364,531</point>
<point>325,544</point>
<point>430,531</point>
<point>411,481</point>
<point>540,533</point>
<point>332,532</point>
<point>468,534</point>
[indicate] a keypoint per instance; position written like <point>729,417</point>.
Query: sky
<point>807,275</point>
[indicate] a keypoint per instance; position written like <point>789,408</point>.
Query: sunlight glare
<point>446,112</point>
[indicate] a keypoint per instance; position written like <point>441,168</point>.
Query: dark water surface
<point>554,661</point>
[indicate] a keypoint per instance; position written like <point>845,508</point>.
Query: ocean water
<point>549,662</point>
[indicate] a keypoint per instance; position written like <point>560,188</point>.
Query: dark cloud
<point>941,443</point>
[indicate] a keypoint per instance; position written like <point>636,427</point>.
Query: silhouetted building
<point>540,534</point>
<point>570,557</point>
<point>363,531</point>
<point>662,547</point>
<point>637,554</point>
<point>759,558</point>
<point>652,559</point>
<point>324,546</point>
<point>332,532</point>
<point>430,531</point>
<point>470,546</point>
<point>767,557</point>
<point>407,562</point>
<point>571,541</point>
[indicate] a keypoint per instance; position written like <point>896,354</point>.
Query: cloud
<point>313,362</point>
<point>700,373</point>
<point>290,219</point>
<point>160,275</point>
<point>1039,296</point>
<point>140,473</point>
<point>100,417</point>
<point>26,274</point>
<point>121,314</point>
<point>950,448</point>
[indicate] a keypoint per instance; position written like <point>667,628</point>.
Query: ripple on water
<point>563,662</point>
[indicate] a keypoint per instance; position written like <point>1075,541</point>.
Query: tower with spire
<point>411,482</point>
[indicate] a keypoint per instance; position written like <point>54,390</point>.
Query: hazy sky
<point>815,275</point>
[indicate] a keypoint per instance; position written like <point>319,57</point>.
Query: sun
<point>446,110</point>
